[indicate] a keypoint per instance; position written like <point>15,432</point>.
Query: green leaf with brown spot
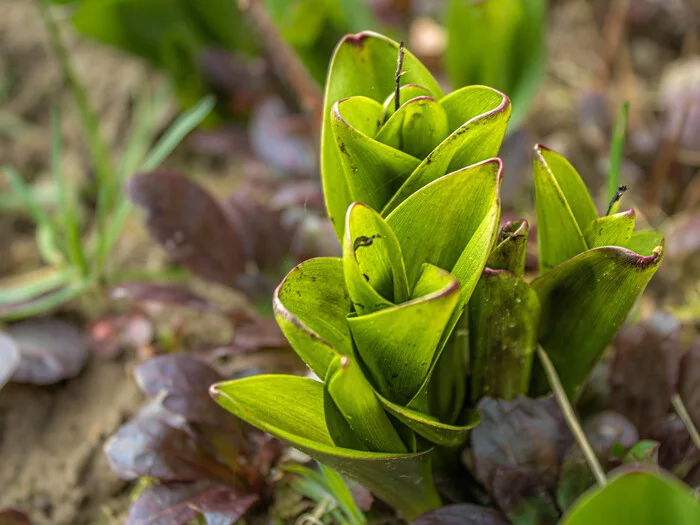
<point>375,274</point>
<point>397,345</point>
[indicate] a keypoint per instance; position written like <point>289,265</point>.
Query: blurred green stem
<point>682,412</point>
<point>571,419</point>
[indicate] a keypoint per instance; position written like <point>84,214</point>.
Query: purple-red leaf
<point>179,503</point>
<point>14,517</point>
<point>645,370</point>
<point>191,225</point>
<point>9,358</point>
<point>282,140</point>
<point>183,382</point>
<point>461,514</point>
<point>51,351</point>
<point>689,383</point>
<point>518,447</point>
<point>150,445</point>
<point>159,294</point>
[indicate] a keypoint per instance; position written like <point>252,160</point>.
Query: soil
<point>51,438</point>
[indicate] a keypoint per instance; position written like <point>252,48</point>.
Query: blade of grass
<point>185,123</point>
<point>106,184</point>
<point>33,284</point>
<point>682,412</point>
<point>88,119</point>
<point>43,304</point>
<point>571,419</point>
<point>617,149</point>
<point>22,191</point>
<point>72,241</point>
<point>147,110</point>
<point>139,136</point>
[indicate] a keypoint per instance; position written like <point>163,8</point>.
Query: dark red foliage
<point>204,460</point>
<point>14,517</point>
<point>645,370</point>
<point>50,350</point>
<point>191,225</point>
<point>181,383</point>
<point>461,514</point>
<point>150,445</point>
<point>518,448</point>
<point>179,503</point>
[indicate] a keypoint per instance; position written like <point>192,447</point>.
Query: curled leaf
<point>400,363</point>
<point>584,302</point>
<point>362,65</point>
<point>292,409</point>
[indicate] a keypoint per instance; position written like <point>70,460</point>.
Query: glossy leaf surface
<point>584,302</point>
<point>363,65</point>
<point>639,498</point>
<point>314,286</point>
<point>292,409</point>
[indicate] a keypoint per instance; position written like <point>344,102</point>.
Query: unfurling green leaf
<point>363,65</point>
<point>358,404</point>
<point>315,286</point>
<point>564,207</point>
<point>584,302</point>
<point>292,409</point>
<point>441,234</point>
<point>398,345</point>
<point>378,155</point>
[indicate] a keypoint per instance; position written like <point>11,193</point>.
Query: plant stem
<point>307,91</point>
<point>571,419</point>
<point>397,78</point>
<point>682,412</point>
<point>617,149</point>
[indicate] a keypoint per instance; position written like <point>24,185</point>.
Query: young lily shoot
<point>429,311</point>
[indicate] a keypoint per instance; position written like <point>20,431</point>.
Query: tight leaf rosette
<point>373,326</point>
<point>389,131</point>
<point>593,268</point>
